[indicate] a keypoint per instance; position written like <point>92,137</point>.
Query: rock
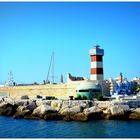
<point>69,103</point>
<point>74,103</point>
<point>47,102</point>
<point>93,113</point>
<point>103,104</point>
<point>65,104</point>
<point>9,100</point>
<point>21,108</point>
<point>137,110</point>
<point>118,112</point>
<point>2,104</point>
<point>119,109</point>
<point>135,114</point>
<point>25,97</point>
<point>78,110</point>
<point>31,106</point>
<point>7,109</point>
<point>1,100</point>
<point>85,104</point>
<point>42,110</point>
<point>19,102</point>
<point>39,102</point>
<point>70,110</point>
<point>22,112</point>
<point>92,109</point>
<point>67,118</point>
<point>65,111</point>
<point>56,104</point>
<point>22,102</point>
<point>79,117</point>
<point>53,116</point>
<point>106,113</point>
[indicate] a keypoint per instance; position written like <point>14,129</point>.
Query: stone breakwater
<point>77,110</point>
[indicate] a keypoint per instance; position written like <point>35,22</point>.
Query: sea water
<point>29,128</point>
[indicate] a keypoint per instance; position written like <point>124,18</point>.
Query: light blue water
<point>22,128</point>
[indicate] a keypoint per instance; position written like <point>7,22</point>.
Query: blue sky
<point>31,31</point>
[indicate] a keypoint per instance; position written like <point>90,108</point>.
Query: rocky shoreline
<point>70,110</point>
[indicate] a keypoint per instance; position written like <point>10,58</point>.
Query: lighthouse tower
<point>96,71</point>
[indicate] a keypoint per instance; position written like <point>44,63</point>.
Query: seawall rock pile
<point>69,110</point>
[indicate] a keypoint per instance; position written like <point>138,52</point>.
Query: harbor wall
<point>58,90</point>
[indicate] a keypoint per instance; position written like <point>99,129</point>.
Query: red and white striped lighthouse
<point>96,71</point>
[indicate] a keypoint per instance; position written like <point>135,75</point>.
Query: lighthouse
<point>96,70</point>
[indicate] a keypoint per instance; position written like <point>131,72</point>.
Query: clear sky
<point>31,31</point>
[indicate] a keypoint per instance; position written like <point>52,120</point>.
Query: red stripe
<point>96,70</point>
<point>96,58</point>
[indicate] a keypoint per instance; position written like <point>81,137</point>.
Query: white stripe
<point>96,64</point>
<point>96,77</point>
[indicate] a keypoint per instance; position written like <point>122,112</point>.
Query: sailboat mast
<point>47,80</point>
<point>51,64</point>
<point>53,67</point>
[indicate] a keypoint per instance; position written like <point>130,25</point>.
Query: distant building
<point>71,78</point>
<point>136,80</point>
<point>120,86</point>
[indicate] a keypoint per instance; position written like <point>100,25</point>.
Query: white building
<point>120,86</point>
